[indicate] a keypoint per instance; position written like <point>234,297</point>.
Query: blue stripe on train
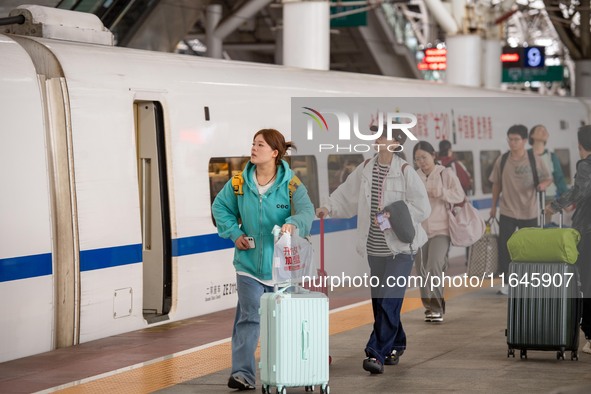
<point>211,242</point>
<point>14,268</point>
<point>110,257</point>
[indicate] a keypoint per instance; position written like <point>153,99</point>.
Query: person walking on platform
<point>444,190</point>
<point>255,201</point>
<point>374,185</point>
<point>580,195</point>
<point>517,175</point>
<point>447,159</point>
<point>538,137</point>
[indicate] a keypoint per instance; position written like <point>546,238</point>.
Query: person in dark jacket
<point>580,196</point>
<point>262,202</point>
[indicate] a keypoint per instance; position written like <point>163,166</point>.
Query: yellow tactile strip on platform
<point>185,366</point>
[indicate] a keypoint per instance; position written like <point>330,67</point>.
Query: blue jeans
<point>245,335</point>
<point>388,334</point>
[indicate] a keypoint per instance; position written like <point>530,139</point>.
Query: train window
<point>221,169</point>
<point>487,161</point>
<point>564,158</point>
<point>339,168</point>
<point>305,168</point>
<point>467,159</point>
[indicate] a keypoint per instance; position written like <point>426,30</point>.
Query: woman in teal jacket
<point>260,199</point>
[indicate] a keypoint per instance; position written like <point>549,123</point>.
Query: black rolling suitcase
<point>544,306</point>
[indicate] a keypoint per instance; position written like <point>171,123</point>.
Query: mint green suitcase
<point>294,340</point>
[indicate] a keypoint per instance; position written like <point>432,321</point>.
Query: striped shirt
<point>376,243</point>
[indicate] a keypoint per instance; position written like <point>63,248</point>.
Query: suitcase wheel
<point>309,388</point>
<point>523,354</point>
<point>511,353</point>
<point>325,389</point>
<point>560,355</point>
<point>265,389</point>
<point>574,355</point>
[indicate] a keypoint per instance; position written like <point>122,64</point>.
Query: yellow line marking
<point>157,375</point>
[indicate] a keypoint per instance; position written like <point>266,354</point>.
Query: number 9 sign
<point>534,57</point>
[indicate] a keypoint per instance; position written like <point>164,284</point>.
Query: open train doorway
<point>155,210</point>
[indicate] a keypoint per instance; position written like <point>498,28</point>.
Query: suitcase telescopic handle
<point>322,243</point>
<point>541,197</point>
<point>541,205</point>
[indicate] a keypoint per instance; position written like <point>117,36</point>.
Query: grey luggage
<point>544,306</point>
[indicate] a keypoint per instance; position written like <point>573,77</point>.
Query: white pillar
<point>306,34</point>
<point>492,69</point>
<point>279,46</point>
<point>464,58</point>
<point>442,16</point>
<point>583,78</point>
<point>213,15</point>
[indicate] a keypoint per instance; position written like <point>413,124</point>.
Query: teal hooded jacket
<point>258,215</point>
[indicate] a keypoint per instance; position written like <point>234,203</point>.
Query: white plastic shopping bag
<point>293,258</point>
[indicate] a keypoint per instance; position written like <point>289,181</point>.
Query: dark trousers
<point>386,301</point>
<point>584,267</point>
<point>507,227</point>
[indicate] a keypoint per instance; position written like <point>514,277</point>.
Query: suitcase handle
<point>299,289</point>
<point>305,340</point>
<point>322,243</point>
<point>541,200</point>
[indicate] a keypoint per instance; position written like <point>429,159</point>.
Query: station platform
<point>466,353</point>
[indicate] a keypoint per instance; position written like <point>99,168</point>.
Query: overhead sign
<point>433,59</point>
<point>530,57</point>
<point>546,74</point>
<point>347,16</point>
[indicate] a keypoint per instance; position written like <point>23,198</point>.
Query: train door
<point>155,212</point>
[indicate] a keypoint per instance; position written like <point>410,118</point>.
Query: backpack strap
<point>503,162</point>
<point>292,186</point>
<point>534,170</point>
<point>237,183</point>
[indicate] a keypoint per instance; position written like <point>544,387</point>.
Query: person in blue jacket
<point>251,207</point>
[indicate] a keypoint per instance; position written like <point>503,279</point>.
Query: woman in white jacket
<point>373,185</point>
<point>444,189</point>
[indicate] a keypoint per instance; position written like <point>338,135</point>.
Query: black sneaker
<point>373,365</point>
<point>393,358</point>
<point>238,383</point>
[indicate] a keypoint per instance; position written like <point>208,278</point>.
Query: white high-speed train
<point>110,158</point>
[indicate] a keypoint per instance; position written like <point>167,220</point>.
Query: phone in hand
<point>251,244</point>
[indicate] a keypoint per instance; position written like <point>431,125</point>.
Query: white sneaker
<point>504,290</point>
<point>433,317</point>
<point>587,347</point>
<point>436,317</point>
